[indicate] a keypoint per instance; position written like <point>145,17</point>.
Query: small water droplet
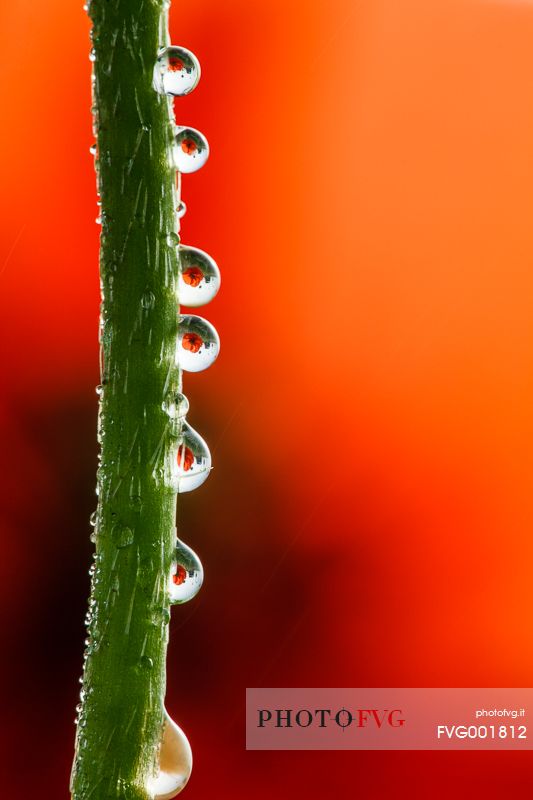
<point>160,616</point>
<point>122,535</point>
<point>93,149</point>
<point>93,519</point>
<point>176,405</point>
<point>146,662</point>
<point>92,54</point>
<point>191,149</point>
<point>199,279</point>
<point>186,576</point>
<point>198,343</point>
<point>193,461</point>
<point>136,502</point>
<point>99,390</point>
<point>177,71</point>
<point>172,239</point>
<point>181,209</point>
<point>148,299</point>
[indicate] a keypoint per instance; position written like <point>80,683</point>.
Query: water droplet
<point>191,149</point>
<point>193,460</point>
<point>199,279</point>
<point>177,71</point>
<point>181,209</point>
<point>148,299</point>
<point>198,343</point>
<point>93,518</point>
<point>172,239</point>
<point>146,662</point>
<point>175,762</point>
<point>92,54</point>
<point>187,574</point>
<point>159,617</point>
<point>122,535</point>
<point>99,390</point>
<point>136,502</point>
<point>176,405</point>
<point>93,149</point>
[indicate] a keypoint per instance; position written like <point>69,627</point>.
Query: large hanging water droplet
<point>186,576</point>
<point>191,149</point>
<point>177,71</point>
<point>199,279</point>
<point>175,762</point>
<point>198,343</point>
<point>193,460</point>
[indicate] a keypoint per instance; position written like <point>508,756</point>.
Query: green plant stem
<point>121,714</point>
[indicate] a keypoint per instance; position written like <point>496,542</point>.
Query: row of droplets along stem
<point>176,73</point>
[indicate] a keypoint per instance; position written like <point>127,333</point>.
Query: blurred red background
<point>368,521</point>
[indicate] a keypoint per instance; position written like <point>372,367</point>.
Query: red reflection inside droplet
<point>189,146</point>
<point>192,342</point>
<point>180,575</point>
<point>175,64</point>
<point>192,275</point>
<point>185,458</point>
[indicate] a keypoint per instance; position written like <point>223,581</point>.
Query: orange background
<point>369,518</point>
